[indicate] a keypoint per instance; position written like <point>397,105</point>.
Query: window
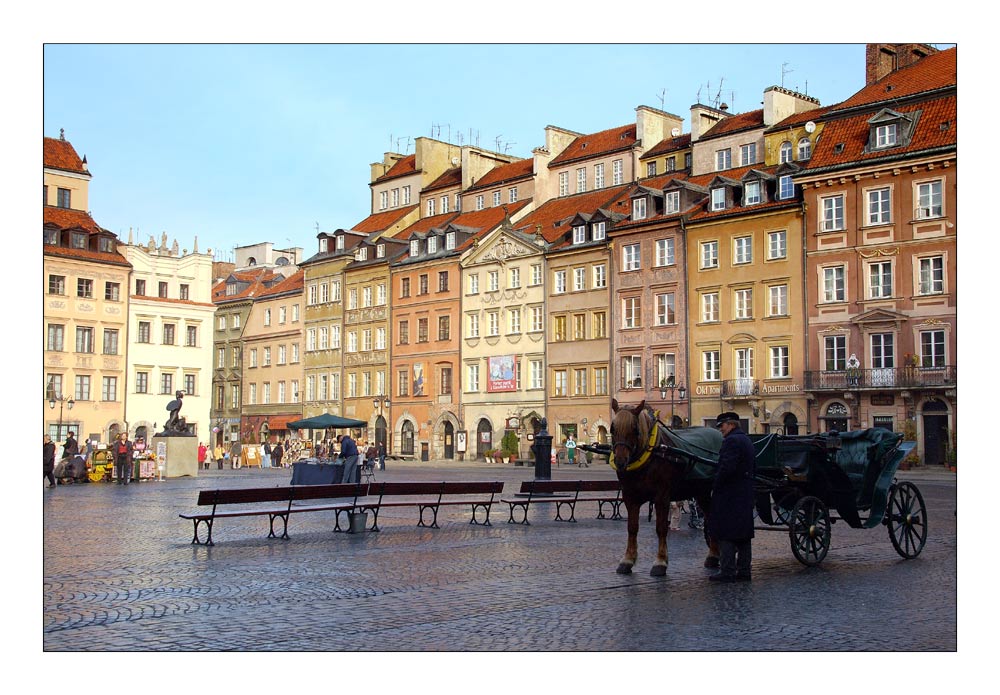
<point>55,338</point>
<point>631,312</point>
<point>237,357</point>
<point>142,382</point>
<point>672,163</point>
<point>112,291</point>
<point>492,323</point>
<point>600,276</point>
<point>189,384</point>
<point>743,249</point>
<point>474,284</point>
<point>833,213</point>
<point>352,298</point>
<point>599,176</point>
<point>751,193</point>
<point>512,195</point>
<point>630,257</point>
<point>493,281</point>
<point>282,354</point>
<point>109,388</point>
<point>599,324</point>
<point>617,173</point>
<point>579,279</point>
<point>84,339</point>
<point>778,362</point>
<point>57,284</point>
<point>444,204</point>
<point>395,197</point>
<point>54,385</point>
<point>932,275</point>
<point>579,382</point>
<point>105,245</point>
<point>718,199</point>
<point>632,371</point>
<point>472,378</point>
<point>748,154</point>
<point>281,392</point>
<point>651,168</point>
<point>878,206</point>
<point>559,382</point>
<point>786,188</point>
<point>929,200</point>
<point>579,326</point>
<point>295,390</point>
<point>835,353</point>
<point>168,333</point>
<point>709,254</point>
<point>666,367</point>
<point>63,198</point>
<point>743,308</point>
<point>563,183</point>
<point>744,369</point>
<point>805,149</point>
<point>777,245</point>
<point>473,325</point>
<point>85,288</point>
<point>366,296</point>
<point>267,317</point>
<point>310,387</point>
<point>383,200</point>
<point>723,159</point>
<point>404,287</point>
<point>879,280</point>
<point>710,306</point>
<point>514,278</point>
<point>140,288</point>
<point>295,348</point>
<point>432,244</point>
<point>82,387</point>
<point>536,274</point>
<point>885,135</point>
<point>444,328</point>
<point>882,351</point>
<point>777,300</point>
<point>406,195</point>
<point>639,209</point>
<point>266,388</point>
<point>600,381</point>
<point>162,290</point>
<point>310,340</point>
<point>710,365</point>
<point>252,362</point>
<point>665,309</point>
<point>221,358</point>
<point>110,341</point>
<point>380,338</point>
<point>480,204</point>
<point>236,320</point>
<point>559,329</point>
<point>672,202</point>
<point>442,281</point>
<point>581,180</point>
<point>167,383</point>
<point>932,349</point>
<point>559,281</point>
<point>51,235</point>
<point>422,331</point>
<point>833,284</point>
<point>352,341</point>
<point>785,152</point>
<point>311,299</point>
<point>449,240</point>
<point>579,234</point>
<point>430,207</point>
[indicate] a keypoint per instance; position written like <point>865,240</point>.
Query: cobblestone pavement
<point>120,573</point>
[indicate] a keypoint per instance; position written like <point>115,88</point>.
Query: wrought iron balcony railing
<point>740,388</point>
<point>882,379</point>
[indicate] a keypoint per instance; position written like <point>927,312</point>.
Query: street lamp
<point>669,384</point>
<point>69,402</point>
<point>381,403</point>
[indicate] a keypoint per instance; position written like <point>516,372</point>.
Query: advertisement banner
<point>501,374</point>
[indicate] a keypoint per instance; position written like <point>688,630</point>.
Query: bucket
<point>358,521</point>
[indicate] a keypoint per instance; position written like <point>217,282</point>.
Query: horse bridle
<point>641,459</point>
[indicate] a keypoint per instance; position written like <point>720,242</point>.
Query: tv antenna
<point>662,95</point>
<point>784,71</point>
<point>718,94</point>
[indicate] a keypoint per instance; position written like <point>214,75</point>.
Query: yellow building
<point>85,312</point>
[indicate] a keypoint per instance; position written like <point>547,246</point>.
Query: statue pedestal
<point>181,455</point>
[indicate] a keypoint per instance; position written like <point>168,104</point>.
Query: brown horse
<point>648,473</point>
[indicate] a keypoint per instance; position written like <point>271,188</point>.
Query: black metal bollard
<point>542,448</point>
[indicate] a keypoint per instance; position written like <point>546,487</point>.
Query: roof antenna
<point>662,94</point>
<point>784,72</point>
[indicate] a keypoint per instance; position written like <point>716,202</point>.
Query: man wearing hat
<point>731,519</point>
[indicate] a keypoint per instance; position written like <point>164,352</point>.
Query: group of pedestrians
<point>72,465</point>
<point>279,454</point>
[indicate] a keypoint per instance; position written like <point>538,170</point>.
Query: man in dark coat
<point>48,459</point>
<point>731,519</point>
<point>122,452</point>
<point>72,447</point>
<point>349,452</point>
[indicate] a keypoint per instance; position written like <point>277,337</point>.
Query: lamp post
<point>381,404</point>
<point>669,384</point>
<point>69,403</point>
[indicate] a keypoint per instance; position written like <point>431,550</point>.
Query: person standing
<point>122,451</point>
<point>48,459</point>
<point>277,454</point>
<point>730,521</point>
<point>202,456</point>
<point>218,454</point>
<point>571,451</point>
<point>72,447</point>
<point>349,452</point>
<point>266,454</point>
<point>381,456</point>
<point>235,452</point>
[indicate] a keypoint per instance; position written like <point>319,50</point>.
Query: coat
<point>731,515</point>
<point>48,457</point>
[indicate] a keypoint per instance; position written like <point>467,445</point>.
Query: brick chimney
<point>882,59</point>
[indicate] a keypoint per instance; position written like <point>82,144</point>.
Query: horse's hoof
<point>712,562</point>
<point>624,569</point>
<point>658,571</point>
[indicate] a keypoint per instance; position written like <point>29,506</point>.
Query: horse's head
<point>629,434</point>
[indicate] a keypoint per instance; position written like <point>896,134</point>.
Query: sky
<point>237,144</point>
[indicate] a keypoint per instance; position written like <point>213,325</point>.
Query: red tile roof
<point>382,220</point>
<point>797,119</point>
<point>563,209</point>
<point>735,123</point>
<point>59,154</point>
<point>68,219</point>
<point>597,144</point>
<point>406,165</point>
<point>486,220</point>
<point>256,279</point>
<point>936,127</point>
<point>452,177</point>
<point>523,168</point>
<point>935,71</point>
<point>669,145</point>
<point>293,283</point>
<point>427,223</point>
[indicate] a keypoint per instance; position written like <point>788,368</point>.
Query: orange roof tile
<point>452,177</point>
<point>406,165</point>
<point>562,209</point>
<point>59,154</point>
<point>523,168</point>
<point>735,123</point>
<point>669,145</point>
<point>382,220</point>
<point>935,71</point>
<point>426,223</point>
<point>597,144</point>
<point>67,218</point>
<point>293,283</point>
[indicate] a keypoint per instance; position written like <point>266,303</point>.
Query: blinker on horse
<point>649,461</point>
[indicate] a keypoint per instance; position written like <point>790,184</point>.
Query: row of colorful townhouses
<point>795,264</point>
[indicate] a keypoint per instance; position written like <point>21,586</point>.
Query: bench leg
<point>374,511</point>
<point>572,511</point>
<point>207,522</point>
<point>196,540</point>
<point>434,523</point>
<point>616,515</point>
<point>524,508</point>
<point>283,517</point>
<point>475,508</point>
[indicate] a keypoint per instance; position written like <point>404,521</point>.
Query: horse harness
<point>651,445</point>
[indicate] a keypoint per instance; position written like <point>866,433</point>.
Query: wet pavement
<point>120,574</point>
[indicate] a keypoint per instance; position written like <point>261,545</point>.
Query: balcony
<point>882,379</point>
<point>740,388</point>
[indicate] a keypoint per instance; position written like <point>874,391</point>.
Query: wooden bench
<point>566,492</point>
<point>347,495</point>
<point>434,498</point>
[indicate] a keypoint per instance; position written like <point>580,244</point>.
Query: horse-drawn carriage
<point>803,484</point>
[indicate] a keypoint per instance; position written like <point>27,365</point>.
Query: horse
<point>650,472</point>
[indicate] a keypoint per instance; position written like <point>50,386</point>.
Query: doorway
<point>935,414</point>
<point>484,438</point>
<point>381,433</point>
<point>790,424</point>
<point>449,440</point>
<point>406,447</point>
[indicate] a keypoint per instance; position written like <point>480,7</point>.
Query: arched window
<point>252,261</point>
<point>406,446</point>
<point>805,149</point>
<point>785,153</point>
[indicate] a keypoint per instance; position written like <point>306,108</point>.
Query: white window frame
<point>879,205</point>
<point>723,159</point>
<point>880,280</point>
<point>778,362</point>
<point>563,184</point>
<point>710,365</point>
<point>599,175</point>
<point>631,312</point>
<point>832,213</point>
<point>639,209</point>
<point>777,244</point>
<point>718,198</point>
<point>743,303</point>
<point>709,255</point>
<point>666,313</point>
<point>581,180</point>
<point>777,304</point>
<point>834,284</point>
<point>930,275</point>
<point>930,199</point>
<point>751,193</point>
<point>748,153</point>
<point>672,202</point>
<point>664,252</point>
<point>631,257</point>
<point>617,172</point>
<point>742,250</point>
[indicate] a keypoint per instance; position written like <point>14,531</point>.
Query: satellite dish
<point>810,127</point>
<point>456,160</point>
<point>675,132</point>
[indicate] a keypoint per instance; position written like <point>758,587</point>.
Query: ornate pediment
<point>879,316</point>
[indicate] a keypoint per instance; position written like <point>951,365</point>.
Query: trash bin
<point>358,521</point>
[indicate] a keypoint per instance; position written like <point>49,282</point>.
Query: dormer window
<point>598,231</point>
<point>340,242</point>
<point>579,234</point>
<point>415,247</point>
<point>718,199</point>
<point>639,209</point>
<point>51,236</point>
<point>106,245</point>
<point>449,241</point>
<point>885,135</point>
<point>79,240</point>
<point>672,202</point>
<point>786,189</point>
<point>323,244</point>
<point>432,244</point>
<point>805,149</point>
<point>380,251</point>
<point>362,253</point>
<point>751,193</point>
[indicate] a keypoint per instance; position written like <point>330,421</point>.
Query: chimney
<point>780,103</point>
<point>703,118</point>
<point>882,59</point>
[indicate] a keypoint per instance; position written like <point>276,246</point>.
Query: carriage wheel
<point>907,520</point>
<point>782,509</point>
<point>809,531</point>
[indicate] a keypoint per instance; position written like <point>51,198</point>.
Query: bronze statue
<point>175,423</point>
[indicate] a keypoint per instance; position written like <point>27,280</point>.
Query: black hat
<point>728,416</point>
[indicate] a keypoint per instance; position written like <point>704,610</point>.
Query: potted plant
<point>509,446</point>
<point>912,459</point>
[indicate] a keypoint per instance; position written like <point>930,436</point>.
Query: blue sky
<point>245,143</point>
